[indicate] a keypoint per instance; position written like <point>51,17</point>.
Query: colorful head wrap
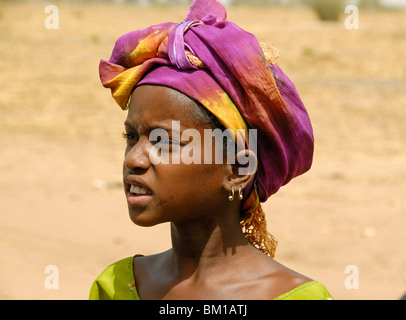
<point>215,62</point>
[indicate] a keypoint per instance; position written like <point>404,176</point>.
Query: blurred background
<point>61,197</point>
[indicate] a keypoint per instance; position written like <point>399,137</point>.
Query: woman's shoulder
<point>116,282</point>
<point>295,286</point>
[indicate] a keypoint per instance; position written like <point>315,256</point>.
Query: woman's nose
<point>137,155</point>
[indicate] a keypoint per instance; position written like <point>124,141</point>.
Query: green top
<point>116,282</point>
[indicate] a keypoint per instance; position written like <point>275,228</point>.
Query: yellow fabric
<point>312,290</point>
<point>116,282</point>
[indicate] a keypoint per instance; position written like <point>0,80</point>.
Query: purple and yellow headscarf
<point>215,62</point>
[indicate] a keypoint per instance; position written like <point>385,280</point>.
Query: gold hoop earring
<point>240,195</point>
<point>231,195</point>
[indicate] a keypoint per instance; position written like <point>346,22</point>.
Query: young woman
<point>214,127</point>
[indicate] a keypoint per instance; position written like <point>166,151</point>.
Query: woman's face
<point>167,191</point>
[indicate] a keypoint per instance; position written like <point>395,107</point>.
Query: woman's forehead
<point>158,104</point>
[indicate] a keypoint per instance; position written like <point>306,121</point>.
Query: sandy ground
<point>62,202</point>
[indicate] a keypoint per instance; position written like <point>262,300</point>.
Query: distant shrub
<point>370,4</point>
<point>327,10</point>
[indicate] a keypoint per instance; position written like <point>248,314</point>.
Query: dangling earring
<point>231,195</point>
<point>240,195</point>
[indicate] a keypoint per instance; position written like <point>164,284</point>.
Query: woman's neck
<point>199,249</point>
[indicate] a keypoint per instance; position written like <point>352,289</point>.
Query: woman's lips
<point>137,191</point>
<point>136,184</point>
<point>137,200</point>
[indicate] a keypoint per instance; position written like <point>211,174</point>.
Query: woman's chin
<point>143,219</point>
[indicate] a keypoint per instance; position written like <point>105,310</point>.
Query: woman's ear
<point>240,174</point>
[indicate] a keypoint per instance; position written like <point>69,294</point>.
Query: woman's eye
<point>130,136</point>
<point>168,142</point>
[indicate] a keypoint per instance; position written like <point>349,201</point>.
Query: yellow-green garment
<point>116,282</point>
